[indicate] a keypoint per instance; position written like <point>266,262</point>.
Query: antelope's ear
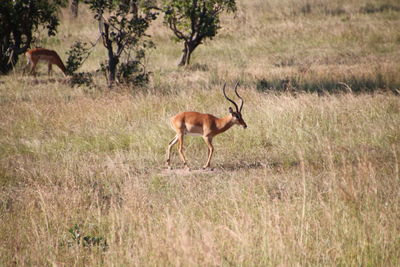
<point>230,110</point>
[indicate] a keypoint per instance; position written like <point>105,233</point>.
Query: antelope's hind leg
<point>180,149</point>
<point>170,145</point>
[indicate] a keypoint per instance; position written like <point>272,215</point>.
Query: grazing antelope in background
<point>205,125</point>
<point>42,54</point>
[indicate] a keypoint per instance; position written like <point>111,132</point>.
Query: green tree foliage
<point>192,21</point>
<point>76,56</point>
<point>19,19</point>
<point>122,25</point>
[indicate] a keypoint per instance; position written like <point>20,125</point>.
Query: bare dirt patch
<point>185,171</point>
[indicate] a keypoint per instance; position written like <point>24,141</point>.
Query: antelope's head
<point>236,115</point>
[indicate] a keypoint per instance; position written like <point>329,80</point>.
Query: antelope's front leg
<point>27,66</point>
<point>208,141</point>
<point>33,66</point>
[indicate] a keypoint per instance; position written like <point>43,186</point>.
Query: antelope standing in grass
<point>42,54</point>
<point>205,125</point>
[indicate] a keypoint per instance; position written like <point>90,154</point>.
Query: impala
<point>42,54</point>
<point>205,125</point>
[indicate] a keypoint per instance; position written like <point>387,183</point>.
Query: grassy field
<point>314,179</point>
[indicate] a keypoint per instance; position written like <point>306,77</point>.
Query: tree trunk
<point>113,59</point>
<point>9,51</point>
<point>186,53</point>
<point>112,69</point>
<point>73,5</point>
<point>7,63</point>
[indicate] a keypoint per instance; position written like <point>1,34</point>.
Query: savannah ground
<point>313,180</point>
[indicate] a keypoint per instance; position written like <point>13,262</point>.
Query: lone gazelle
<point>35,55</point>
<point>205,125</point>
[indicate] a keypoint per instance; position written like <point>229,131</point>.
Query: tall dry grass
<point>314,180</point>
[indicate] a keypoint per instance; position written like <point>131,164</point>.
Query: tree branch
<point>172,26</point>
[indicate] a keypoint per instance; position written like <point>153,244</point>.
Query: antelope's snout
<point>241,122</point>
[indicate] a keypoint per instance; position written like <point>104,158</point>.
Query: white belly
<point>193,130</point>
<point>193,134</point>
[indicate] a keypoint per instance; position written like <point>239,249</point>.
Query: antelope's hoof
<point>208,168</point>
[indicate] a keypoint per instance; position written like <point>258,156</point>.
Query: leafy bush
<point>81,78</point>
<point>86,240</point>
<point>374,8</point>
<point>76,56</point>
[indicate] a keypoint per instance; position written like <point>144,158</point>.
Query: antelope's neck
<point>224,124</point>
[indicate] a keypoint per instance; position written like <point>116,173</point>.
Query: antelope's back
<point>190,119</point>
